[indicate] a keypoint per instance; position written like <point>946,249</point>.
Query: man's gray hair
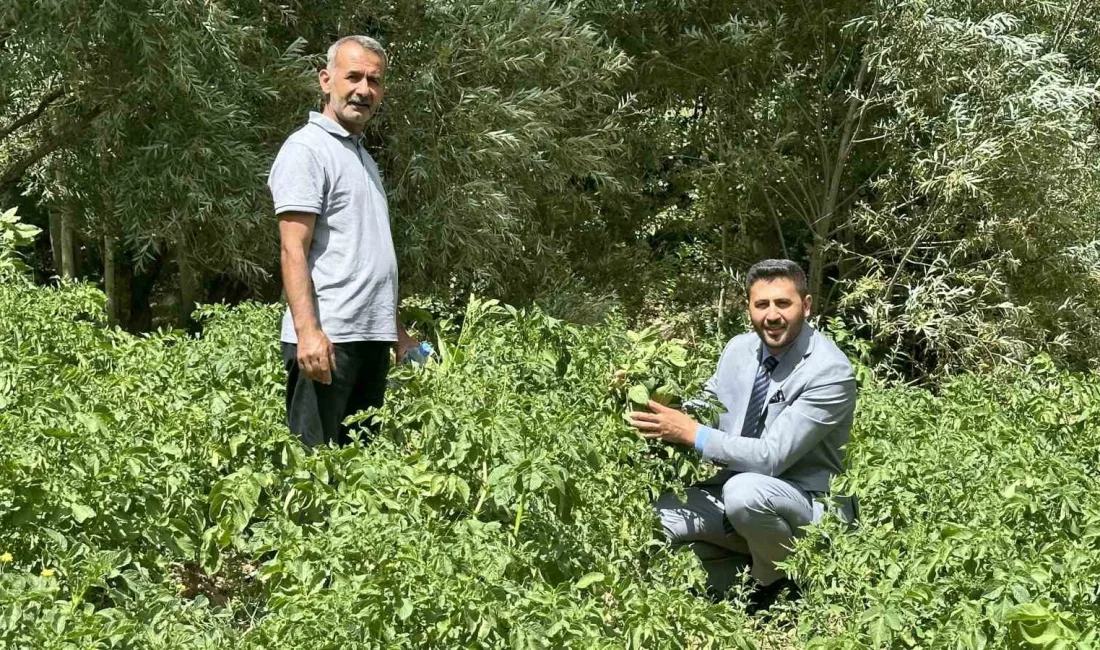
<point>772,269</point>
<point>366,42</point>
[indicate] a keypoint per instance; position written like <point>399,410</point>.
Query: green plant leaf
<point>589,579</point>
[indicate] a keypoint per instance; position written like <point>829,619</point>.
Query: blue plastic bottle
<point>420,354</point>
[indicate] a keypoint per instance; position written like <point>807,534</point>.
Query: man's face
<point>354,86</point>
<point>777,311</point>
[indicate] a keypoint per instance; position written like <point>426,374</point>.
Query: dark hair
<point>772,269</point>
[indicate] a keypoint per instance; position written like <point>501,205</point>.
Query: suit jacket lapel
<point>746,377</point>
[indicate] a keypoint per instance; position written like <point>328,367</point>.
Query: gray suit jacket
<point>805,431</point>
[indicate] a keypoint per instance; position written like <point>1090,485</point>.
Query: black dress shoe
<point>764,596</point>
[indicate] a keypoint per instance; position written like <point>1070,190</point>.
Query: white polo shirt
<point>324,170</point>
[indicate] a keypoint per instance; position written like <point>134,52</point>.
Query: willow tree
<point>499,139</point>
<point>933,164</point>
<point>158,121</point>
<point>500,132</point>
<point>147,125</point>
<point>754,112</point>
<point>971,236</point>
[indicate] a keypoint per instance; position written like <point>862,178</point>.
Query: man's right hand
<point>316,355</point>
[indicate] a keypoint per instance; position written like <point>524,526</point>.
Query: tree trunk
<point>118,280</point>
<point>823,225</point>
<point>725,282</point>
<point>817,270</point>
<point>189,285</point>
<point>68,243</point>
<point>140,318</point>
<point>55,240</point>
<point>109,280</point>
<point>116,283</point>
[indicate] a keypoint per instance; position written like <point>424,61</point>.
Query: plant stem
<point>519,514</point>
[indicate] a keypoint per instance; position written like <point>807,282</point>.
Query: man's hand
<point>316,355</point>
<point>665,424</point>
<point>404,343</point>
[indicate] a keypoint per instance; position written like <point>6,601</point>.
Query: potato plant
<point>151,497</point>
<point>980,519</point>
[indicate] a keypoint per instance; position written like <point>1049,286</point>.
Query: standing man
<point>789,395</point>
<point>338,263</point>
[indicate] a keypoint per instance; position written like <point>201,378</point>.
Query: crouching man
<point>789,394</point>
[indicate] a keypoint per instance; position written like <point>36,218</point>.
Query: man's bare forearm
<point>401,331</point>
<point>299,289</point>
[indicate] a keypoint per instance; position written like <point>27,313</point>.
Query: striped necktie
<point>754,415</point>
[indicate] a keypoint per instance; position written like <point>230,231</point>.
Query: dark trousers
<point>316,411</point>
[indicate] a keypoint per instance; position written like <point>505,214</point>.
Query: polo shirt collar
<point>332,126</point>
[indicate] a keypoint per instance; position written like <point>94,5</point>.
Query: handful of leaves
<point>666,393</point>
<point>654,370</point>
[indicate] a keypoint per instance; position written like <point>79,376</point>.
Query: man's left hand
<point>404,344</point>
<point>665,424</point>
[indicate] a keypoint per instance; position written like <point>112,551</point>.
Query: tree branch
<point>43,104</point>
<point>16,170</point>
<point>778,227</point>
<point>1067,22</point>
<point>849,133</point>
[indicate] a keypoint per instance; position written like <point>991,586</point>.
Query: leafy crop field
<point>151,497</point>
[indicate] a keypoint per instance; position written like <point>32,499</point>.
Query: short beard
<point>793,331</point>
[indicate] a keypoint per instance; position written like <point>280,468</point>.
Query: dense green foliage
<point>144,120</point>
<point>151,126</point>
<point>479,519</point>
<point>980,524</point>
<point>933,165</point>
<point>150,496</point>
